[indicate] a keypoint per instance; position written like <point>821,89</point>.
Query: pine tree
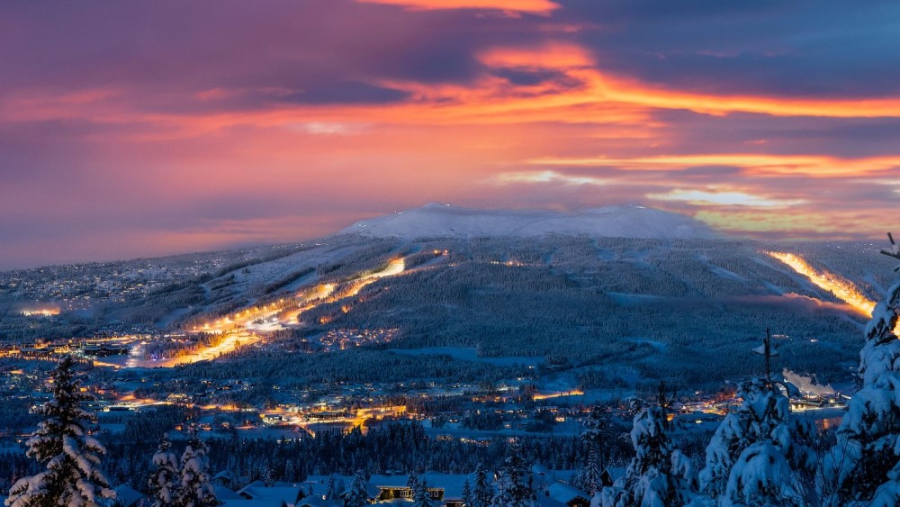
<point>194,489</point>
<point>467,494</point>
<point>650,480</point>
<point>590,480</point>
<point>290,473</point>
<point>412,482</point>
<point>597,433</point>
<point>162,479</point>
<point>483,493</point>
<point>357,495</point>
<point>864,465</point>
<point>63,445</point>
<point>755,451</point>
<point>420,495</point>
<point>514,482</point>
<point>331,493</point>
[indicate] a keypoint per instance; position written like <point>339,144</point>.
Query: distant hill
<point>443,220</point>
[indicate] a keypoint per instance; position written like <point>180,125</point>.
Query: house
<point>224,493</point>
<point>280,494</point>
<point>317,485</point>
<point>443,489</point>
<point>127,496</point>
<point>610,475</point>
<point>372,492</point>
<point>568,495</point>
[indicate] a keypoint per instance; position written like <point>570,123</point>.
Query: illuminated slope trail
<point>244,328</point>
<point>843,289</point>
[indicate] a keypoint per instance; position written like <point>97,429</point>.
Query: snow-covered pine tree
<point>514,483</point>
<point>593,482</point>
<point>194,488</point>
<point>357,495</point>
<point>484,492</point>
<point>650,480</point>
<point>864,465</point>
<point>162,481</point>
<point>756,449</point>
<point>62,444</point>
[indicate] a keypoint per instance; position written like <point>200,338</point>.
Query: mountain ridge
<point>444,220</point>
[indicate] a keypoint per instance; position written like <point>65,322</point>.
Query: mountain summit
<point>444,220</point>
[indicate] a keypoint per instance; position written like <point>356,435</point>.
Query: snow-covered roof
<point>565,493</point>
<point>243,502</point>
<point>311,501</point>
<point>318,484</point>
<point>127,495</point>
<point>546,501</point>
<point>223,493</point>
<point>452,484</point>
<point>287,494</point>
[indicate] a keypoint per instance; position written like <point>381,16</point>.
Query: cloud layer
<point>147,128</point>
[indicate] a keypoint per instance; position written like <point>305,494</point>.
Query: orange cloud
<point>557,56</point>
<point>530,6</point>
<point>758,164</point>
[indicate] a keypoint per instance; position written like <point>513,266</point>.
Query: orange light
<point>841,288</point>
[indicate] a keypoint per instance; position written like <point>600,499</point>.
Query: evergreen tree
<point>597,433</point>
<point>331,492</point>
<point>162,479</point>
<point>484,492</point>
<point>514,482</point>
<point>412,482</point>
<point>357,495</point>
<point>864,465</point>
<point>589,480</point>
<point>754,453</point>
<point>650,480</point>
<point>194,489</point>
<point>467,494</point>
<point>420,495</point>
<point>63,445</point>
<point>290,473</point>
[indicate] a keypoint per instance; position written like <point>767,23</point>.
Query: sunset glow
<point>146,130</point>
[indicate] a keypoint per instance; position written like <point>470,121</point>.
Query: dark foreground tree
<point>63,445</point>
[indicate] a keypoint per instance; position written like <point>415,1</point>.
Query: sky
<point>134,129</point>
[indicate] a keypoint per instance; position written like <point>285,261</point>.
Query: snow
<point>611,221</point>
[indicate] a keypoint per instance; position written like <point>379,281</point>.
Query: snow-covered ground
<point>439,220</point>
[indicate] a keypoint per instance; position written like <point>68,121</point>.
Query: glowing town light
<point>41,312</point>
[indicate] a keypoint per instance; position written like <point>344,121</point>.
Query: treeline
<point>396,446</point>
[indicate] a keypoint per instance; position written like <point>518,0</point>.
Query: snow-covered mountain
<point>444,220</point>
